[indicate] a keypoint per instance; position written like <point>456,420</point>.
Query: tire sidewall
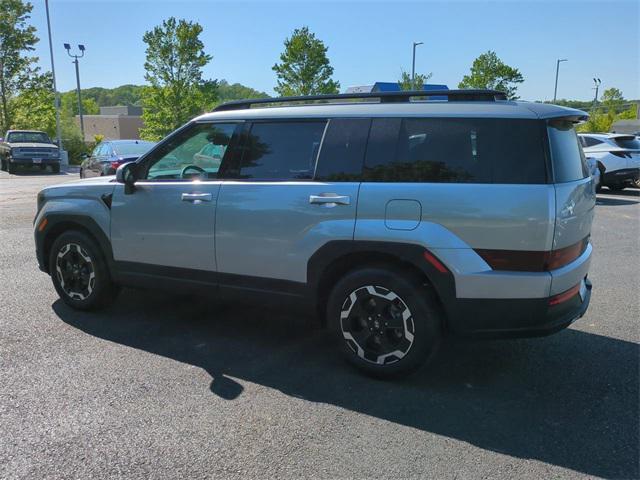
<point>103,288</point>
<point>426,318</point>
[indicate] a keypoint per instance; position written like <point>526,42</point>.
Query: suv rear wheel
<point>79,272</point>
<point>387,322</point>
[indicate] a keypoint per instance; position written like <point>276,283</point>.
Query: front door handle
<point>330,198</point>
<point>196,197</point>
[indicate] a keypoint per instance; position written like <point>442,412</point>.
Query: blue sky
<point>368,41</point>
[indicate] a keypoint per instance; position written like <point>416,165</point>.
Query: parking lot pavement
<point>161,386</point>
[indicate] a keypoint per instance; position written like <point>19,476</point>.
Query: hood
<point>32,145</point>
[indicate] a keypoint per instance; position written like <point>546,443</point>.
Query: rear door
<point>169,220</point>
<point>279,203</point>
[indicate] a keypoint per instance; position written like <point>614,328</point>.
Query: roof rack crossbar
<point>468,95</point>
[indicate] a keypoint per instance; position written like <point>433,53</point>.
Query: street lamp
<point>597,83</point>
<point>75,61</point>
<point>55,89</point>
<point>413,65</point>
<point>555,91</point>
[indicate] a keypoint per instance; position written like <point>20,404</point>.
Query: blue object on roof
<point>394,87</point>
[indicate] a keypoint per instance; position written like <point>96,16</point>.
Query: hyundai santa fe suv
<point>395,217</point>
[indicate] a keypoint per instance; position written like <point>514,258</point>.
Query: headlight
<point>14,151</point>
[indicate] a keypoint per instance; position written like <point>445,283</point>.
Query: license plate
<point>37,160</point>
<point>583,290</point>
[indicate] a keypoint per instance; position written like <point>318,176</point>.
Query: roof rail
<point>469,95</point>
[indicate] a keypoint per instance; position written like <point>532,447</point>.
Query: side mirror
<point>126,174</point>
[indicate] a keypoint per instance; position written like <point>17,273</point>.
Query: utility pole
<point>77,64</point>
<point>413,65</point>
<point>597,83</point>
<point>55,89</point>
<point>555,90</point>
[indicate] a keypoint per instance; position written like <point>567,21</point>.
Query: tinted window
<point>568,159</point>
<point>589,141</point>
<point>628,142</point>
<point>342,152</point>
<point>280,151</point>
<point>455,150</point>
<point>196,152</point>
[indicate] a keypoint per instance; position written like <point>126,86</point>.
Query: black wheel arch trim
<point>333,252</point>
<point>55,221</point>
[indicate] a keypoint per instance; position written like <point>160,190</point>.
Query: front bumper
<point>623,176</point>
<point>512,318</point>
<point>35,161</point>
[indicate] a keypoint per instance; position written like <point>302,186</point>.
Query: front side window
<point>279,151</point>
<point>194,153</point>
<point>455,150</point>
<point>568,159</point>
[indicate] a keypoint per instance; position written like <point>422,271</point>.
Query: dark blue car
<point>110,154</point>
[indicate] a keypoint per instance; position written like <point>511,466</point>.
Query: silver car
<point>396,218</point>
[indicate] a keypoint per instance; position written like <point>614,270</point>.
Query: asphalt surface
<point>161,386</point>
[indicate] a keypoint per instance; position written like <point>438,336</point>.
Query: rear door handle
<point>196,197</point>
<point>329,198</point>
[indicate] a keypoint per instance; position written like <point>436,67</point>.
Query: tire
<point>3,164</point>
<point>79,272</point>
<point>43,167</point>
<point>401,314</point>
<point>81,173</point>
<point>55,168</point>
<point>11,167</point>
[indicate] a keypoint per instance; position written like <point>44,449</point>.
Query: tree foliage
<point>304,68</point>
<point>613,108</point>
<point>177,90</point>
<point>406,83</point>
<point>17,38</point>
<point>488,71</point>
<point>236,91</point>
<point>34,107</point>
<point>612,98</point>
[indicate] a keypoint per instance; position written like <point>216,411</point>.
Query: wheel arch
<point>337,258</point>
<point>57,224</point>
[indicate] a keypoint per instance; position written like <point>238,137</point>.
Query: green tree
<point>69,105</point>
<point>177,90</point>
<point>406,83</point>
<point>612,99</point>
<point>228,92</point>
<point>304,68</point>
<point>488,71</point>
<point>17,38</point>
<point>34,107</point>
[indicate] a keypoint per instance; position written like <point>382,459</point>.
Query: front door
<point>169,219</point>
<point>279,205</point>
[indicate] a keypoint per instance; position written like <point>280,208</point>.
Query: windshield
<point>631,143</point>
<point>28,137</point>
<point>133,148</point>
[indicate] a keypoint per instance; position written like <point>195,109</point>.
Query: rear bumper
<point>623,176</point>
<point>511,318</point>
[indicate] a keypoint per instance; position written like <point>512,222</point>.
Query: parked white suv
<point>618,158</point>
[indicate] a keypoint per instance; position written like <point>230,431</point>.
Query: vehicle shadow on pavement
<point>569,400</point>
<point>614,202</point>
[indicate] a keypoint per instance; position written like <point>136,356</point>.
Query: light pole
<point>555,90</point>
<point>55,89</point>
<point>413,65</point>
<point>75,61</point>
<point>597,83</point>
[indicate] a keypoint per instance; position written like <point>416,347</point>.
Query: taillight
<point>115,165</point>
<point>532,261</point>
<point>621,154</point>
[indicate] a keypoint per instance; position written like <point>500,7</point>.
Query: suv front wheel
<point>387,322</point>
<point>79,272</point>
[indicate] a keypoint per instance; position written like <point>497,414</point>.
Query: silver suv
<point>396,217</point>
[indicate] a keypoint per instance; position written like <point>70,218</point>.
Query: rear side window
<point>630,142</point>
<point>342,151</point>
<point>280,151</point>
<point>465,150</point>
<point>569,163</point>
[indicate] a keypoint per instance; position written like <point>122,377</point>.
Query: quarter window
<point>569,162</point>
<point>279,151</point>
